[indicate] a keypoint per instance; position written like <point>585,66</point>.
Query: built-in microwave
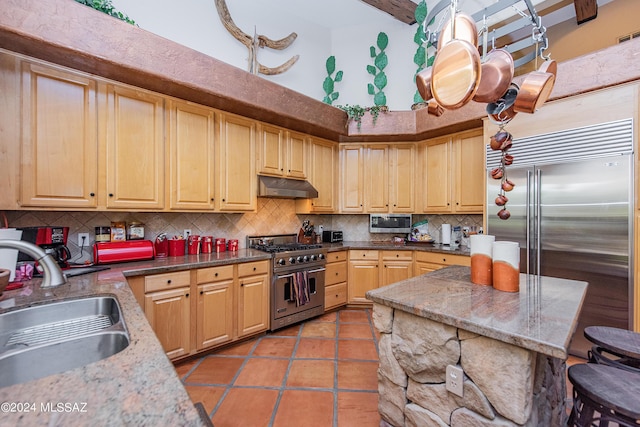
<point>390,223</point>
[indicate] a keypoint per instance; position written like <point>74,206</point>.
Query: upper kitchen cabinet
<point>59,139</point>
<point>352,178</point>
<point>282,153</point>
<point>453,174</point>
<point>402,173</point>
<point>135,149</point>
<point>237,183</point>
<point>191,156</point>
<point>323,175</point>
<point>376,179</point>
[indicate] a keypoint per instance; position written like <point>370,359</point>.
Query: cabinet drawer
<point>160,282</point>
<point>336,273</point>
<point>335,295</point>
<point>397,255</point>
<point>252,268</point>
<point>446,259</point>
<point>336,256</point>
<point>213,274</point>
<point>363,254</point>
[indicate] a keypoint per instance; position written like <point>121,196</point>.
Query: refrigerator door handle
<point>538,202</point>
<point>528,222</point>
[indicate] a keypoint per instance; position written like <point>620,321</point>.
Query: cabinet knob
<point>169,281</point>
<point>212,199</point>
<point>223,200</point>
<point>186,295</point>
<point>92,194</point>
<point>201,292</point>
<point>241,284</point>
<point>336,273</point>
<point>110,194</point>
<point>216,275</point>
<point>397,255</point>
<point>254,269</point>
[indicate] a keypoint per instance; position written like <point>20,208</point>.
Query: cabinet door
<point>191,158</point>
<point>253,305</point>
<point>402,166</point>
<point>168,314</point>
<point>395,271</point>
<point>214,314</point>
<point>237,179</point>
<point>296,155</point>
<point>271,151</point>
<point>352,168</point>
<point>135,149</point>
<point>470,173</point>
<point>425,267</point>
<point>363,277</point>
<point>59,139</point>
<point>323,175</point>
<point>437,177</point>
<point>376,178</point>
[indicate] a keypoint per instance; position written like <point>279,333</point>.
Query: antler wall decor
<point>253,43</point>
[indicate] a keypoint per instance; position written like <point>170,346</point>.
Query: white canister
<point>9,257</point>
<point>506,266</point>
<point>446,234</point>
<point>481,248</point>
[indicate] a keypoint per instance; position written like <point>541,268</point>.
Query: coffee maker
<point>53,240</point>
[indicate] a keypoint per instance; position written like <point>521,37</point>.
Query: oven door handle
<point>278,276</point>
<point>317,270</point>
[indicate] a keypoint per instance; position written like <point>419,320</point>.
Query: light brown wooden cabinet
<point>135,149</point>
<point>282,153</point>
<point>214,323</point>
<point>364,274</point>
<point>352,178</point>
<point>59,138</point>
<point>253,297</point>
<point>335,291</point>
<point>402,177</point>
<point>376,178</point>
<point>426,262</point>
<point>323,175</point>
<point>191,164</point>
<point>454,174</point>
<point>396,266</point>
<point>237,184</point>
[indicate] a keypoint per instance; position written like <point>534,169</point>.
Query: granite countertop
<point>541,317</point>
<point>390,246</point>
<point>139,385</point>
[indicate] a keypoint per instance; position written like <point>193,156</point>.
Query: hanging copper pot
<point>423,82</point>
<point>464,29</point>
<point>536,88</point>
<point>434,109</point>
<point>497,73</point>
<point>456,74</point>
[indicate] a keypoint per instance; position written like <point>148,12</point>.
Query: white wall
<point>195,23</point>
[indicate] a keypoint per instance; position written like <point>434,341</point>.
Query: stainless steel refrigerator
<point>571,212</point>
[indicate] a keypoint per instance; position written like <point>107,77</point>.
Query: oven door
<point>294,292</point>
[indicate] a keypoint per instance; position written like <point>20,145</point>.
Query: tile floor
<point>322,372</point>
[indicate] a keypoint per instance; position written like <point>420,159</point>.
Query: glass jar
<point>135,231</point>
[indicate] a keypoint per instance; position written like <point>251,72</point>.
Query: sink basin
<point>53,338</point>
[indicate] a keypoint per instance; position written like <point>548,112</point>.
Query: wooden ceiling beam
<point>402,10</point>
<point>586,10</point>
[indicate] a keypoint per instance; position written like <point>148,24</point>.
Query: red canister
<point>233,245</point>
<point>176,247</point>
<point>193,244</point>
<point>207,244</point>
<point>221,245</point>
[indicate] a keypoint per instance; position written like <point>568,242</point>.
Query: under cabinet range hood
<point>284,188</point>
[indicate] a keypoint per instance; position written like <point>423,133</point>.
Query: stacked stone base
<point>504,385</point>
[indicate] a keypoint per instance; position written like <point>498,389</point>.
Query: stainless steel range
<point>297,283</point>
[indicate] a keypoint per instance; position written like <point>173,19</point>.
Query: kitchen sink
<point>55,337</point>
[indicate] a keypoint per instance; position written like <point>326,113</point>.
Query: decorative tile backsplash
<point>273,216</point>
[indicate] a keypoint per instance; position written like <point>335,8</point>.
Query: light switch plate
<point>455,379</point>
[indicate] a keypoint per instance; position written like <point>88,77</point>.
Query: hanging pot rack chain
<point>538,37</point>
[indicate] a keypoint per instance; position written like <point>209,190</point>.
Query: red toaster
<point>131,250</point>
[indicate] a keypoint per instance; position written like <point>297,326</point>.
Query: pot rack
<point>537,38</point>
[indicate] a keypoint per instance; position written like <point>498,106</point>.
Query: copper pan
<point>536,88</point>
<point>465,29</point>
<point>496,76</point>
<point>455,74</point>
<point>502,111</point>
<point>423,82</point>
<point>434,109</point>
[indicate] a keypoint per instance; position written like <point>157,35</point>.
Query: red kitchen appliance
<point>130,250</point>
<point>53,240</point>
<point>162,245</point>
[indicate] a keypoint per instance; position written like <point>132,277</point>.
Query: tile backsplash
<point>273,216</point>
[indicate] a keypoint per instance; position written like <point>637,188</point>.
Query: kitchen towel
<point>9,257</point>
<point>301,287</point>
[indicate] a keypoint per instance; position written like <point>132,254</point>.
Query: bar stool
<point>602,395</point>
<point>614,347</point>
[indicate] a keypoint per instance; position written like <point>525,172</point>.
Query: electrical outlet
<point>83,239</point>
<point>186,233</point>
<point>455,379</point>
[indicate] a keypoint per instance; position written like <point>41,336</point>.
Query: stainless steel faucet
<point>52,276</point>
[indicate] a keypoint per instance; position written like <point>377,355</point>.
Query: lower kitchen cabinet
<point>364,275</point>
<point>195,310</point>
<point>253,298</point>
<point>335,290</point>
<point>214,321</point>
<point>396,266</point>
<point>431,261</point>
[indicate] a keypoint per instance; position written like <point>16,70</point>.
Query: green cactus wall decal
<point>377,70</point>
<point>329,82</point>
<point>421,58</point>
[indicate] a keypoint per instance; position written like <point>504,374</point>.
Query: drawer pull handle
<point>216,275</point>
<point>254,268</point>
<point>169,282</point>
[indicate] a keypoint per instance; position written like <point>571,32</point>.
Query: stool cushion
<point>618,341</point>
<point>611,387</point>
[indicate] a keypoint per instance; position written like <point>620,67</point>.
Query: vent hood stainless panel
<point>285,188</point>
